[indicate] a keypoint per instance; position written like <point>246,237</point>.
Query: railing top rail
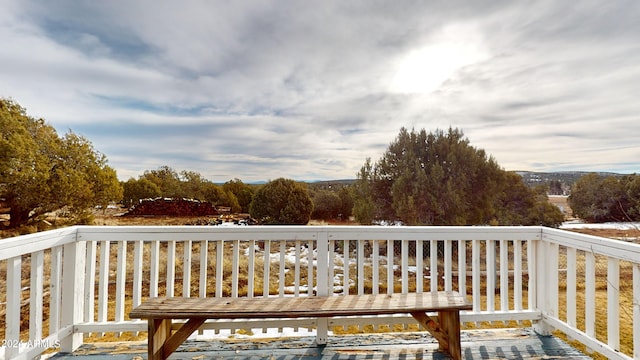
<point>166,233</point>
<point>44,240</point>
<point>195,233</point>
<point>27,244</point>
<point>598,245</point>
<point>434,232</point>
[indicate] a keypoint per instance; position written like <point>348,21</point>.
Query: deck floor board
<point>476,344</point>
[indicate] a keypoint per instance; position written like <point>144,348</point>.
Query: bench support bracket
<point>162,343</point>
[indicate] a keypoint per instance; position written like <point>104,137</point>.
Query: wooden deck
<point>476,344</point>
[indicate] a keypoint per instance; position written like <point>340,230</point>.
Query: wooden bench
<point>161,311</point>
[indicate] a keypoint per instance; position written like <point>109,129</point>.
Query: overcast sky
<point>258,90</point>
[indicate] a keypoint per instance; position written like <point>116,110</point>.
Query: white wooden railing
<point>62,285</point>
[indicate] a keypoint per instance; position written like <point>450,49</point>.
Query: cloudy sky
<point>258,90</point>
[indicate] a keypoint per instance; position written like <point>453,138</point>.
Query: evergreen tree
<point>326,205</point>
<point>167,180</point>
<point>135,190</point>
<point>282,201</point>
<point>596,198</point>
<point>363,200</point>
<point>41,172</point>
<point>346,203</point>
<point>438,178</point>
<point>242,192</point>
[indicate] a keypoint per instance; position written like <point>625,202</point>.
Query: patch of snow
<point>230,224</point>
<point>302,289</point>
<point>576,224</point>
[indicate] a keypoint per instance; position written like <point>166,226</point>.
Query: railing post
<point>73,274</point>
<point>322,281</point>
<point>14,297</point>
<point>546,270</point>
<point>613,303</point>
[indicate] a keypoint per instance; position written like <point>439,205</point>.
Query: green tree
<point>617,201</point>
<point>167,180</point>
<point>243,193</point>
<point>364,203</point>
<point>83,176</point>
<point>596,198</point>
<point>341,208</point>
<point>633,194</point>
<point>216,195</point>
<point>543,212</point>
<point>438,178</point>
<point>135,190</point>
<point>584,199</point>
<point>192,185</point>
<point>327,205</point>
<point>282,201</point>
<point>41,172</point>
<point>346,203</point>
<point>513,201</point>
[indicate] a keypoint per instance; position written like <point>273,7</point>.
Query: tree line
<point>434,178</point>
<point>280,201</point>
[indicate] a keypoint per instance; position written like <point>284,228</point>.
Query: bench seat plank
<point>294,307</point>
<point>160,312</point>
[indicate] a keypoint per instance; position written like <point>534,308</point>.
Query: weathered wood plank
<point>289,307</point>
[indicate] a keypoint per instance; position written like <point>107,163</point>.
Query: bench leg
<point>322,331</point>
<point>450,322</point>
<point>159,332</point>
<point>446,330</point>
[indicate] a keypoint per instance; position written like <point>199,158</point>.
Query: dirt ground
<point>563,204</point>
